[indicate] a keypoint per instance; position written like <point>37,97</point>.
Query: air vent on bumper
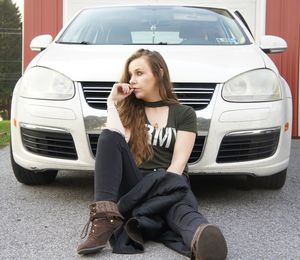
<point>248,145</point>
<point>49,144</point>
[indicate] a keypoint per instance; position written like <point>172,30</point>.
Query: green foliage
<point>4,132</point>
<point>10,50</point>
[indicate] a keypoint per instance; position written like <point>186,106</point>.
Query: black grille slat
<point>97,99</point>
<point>246,140</point>
<point>197,149</point>
<point>93,91</point>
<point>195,155</point>
<point>196,95</point>
<point>247,143</point>
<point>93,142</point>
<point>250,155</point>
<point>48,139</point>
<point>248,147</point>
<point>34,148</point>
<point>49,144</point>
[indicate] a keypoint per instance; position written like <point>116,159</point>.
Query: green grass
<point>4,128</point>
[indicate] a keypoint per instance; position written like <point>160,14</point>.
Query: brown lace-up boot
<point>105,218</point>
<point>208,243</point>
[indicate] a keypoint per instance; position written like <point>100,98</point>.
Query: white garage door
<point>253,10</point>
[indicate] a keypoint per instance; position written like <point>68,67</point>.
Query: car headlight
<point>253,86</point>
<point>43,83</point>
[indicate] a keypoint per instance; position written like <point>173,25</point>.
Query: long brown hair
<point>132,110</point>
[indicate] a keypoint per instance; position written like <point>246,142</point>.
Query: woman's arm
<point>182,150</point>
<point>113,121</point>
<point>119,92</point>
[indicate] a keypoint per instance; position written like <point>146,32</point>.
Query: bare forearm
<point>177,168</point>
<point>182,151</point>
<point>113,119</point>
<point>118,92</point>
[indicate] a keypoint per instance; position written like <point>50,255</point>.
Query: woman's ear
<point>161,72</point>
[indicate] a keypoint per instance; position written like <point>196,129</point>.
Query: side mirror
<point>40,42</point>
<point>272,44</point>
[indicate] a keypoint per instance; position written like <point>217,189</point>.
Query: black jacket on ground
<point>143,208</point>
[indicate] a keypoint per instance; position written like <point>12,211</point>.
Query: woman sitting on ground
<point>147,132</point>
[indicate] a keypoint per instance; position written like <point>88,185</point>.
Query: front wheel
<point>275,181</point>
<point>31,177</point>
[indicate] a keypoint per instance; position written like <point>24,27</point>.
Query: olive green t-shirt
<point>162,140</point>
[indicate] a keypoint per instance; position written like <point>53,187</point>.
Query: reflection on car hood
<point>186,63</point>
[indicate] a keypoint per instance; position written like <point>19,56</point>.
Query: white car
<point>243,105</point>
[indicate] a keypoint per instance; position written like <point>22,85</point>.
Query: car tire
<point>275,181</point>
<point>29,177</point>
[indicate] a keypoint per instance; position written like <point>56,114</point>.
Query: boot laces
<point>85,229</point>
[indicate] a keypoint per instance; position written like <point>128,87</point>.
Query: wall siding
<point>283,19</point>
<point>40,17</point>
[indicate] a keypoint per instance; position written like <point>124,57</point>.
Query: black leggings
<point>116,173</point>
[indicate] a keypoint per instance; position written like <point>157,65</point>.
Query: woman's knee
<point>108,137</point>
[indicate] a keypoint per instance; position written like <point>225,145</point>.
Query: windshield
<point>154,25</point>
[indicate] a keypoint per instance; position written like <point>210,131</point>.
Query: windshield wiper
<point>83,42</point>
<point>162,43</point>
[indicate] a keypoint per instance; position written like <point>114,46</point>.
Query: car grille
<point>195,155</point>
<point>196,95</point>
<point>248,147</point>
<point>93,142</point>
<point>50,144</point>
<point>197,150</point>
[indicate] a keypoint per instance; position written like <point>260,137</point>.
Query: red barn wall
<point>283,19</point>
<point>40,17</point>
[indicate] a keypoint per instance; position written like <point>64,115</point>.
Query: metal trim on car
<point>254,132</point>
<point>43,128</point>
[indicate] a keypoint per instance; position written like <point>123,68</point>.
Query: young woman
<point>147,131</point>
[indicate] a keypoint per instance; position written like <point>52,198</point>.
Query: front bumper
<point>219,119</point>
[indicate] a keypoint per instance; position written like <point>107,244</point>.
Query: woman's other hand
<point>119,92</point>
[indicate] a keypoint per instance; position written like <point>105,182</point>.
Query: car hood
<point>186,63</point>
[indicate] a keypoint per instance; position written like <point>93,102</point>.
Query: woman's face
<point>142,80</point>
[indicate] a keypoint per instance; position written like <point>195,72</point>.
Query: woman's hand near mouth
<point>120,91</point>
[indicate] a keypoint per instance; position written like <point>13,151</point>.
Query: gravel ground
<point>45,222</point>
